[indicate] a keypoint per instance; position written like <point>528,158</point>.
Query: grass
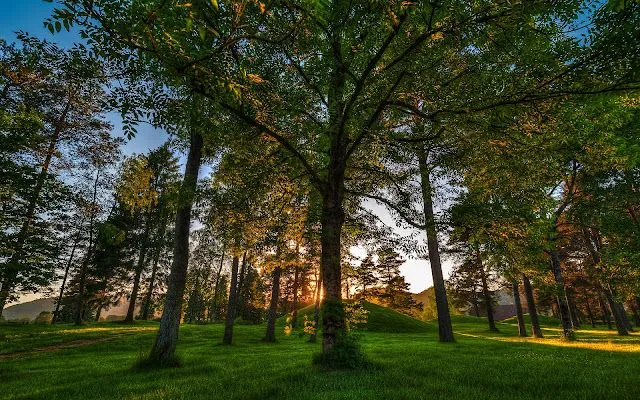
<point>35,364</point>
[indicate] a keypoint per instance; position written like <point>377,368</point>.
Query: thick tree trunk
<point>563,304</point>
<point>445,329</point>
<point>294,312</point>
<point>617,315</point>
<point>231,307</point>
<point>139,269</point>
<point>522,329</point>
<point>332,308</point>
<point>488,300</point>
<point>164,347</point>
<point>11,268</point>
<point>273,306</point>
<point>531,306</point>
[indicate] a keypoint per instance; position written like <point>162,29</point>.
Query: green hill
<point>381,319</point>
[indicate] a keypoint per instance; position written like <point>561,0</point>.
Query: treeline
<point>506,133</point>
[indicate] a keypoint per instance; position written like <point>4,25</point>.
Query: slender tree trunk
<point>522,329</point>
<point>590,312</point>
<point>563,304</point>
<point>231,308</point>
<point>294,312</point>
<point>445,329</point>
<point>214,307</point>
<point>11,268</point>
<point>316,311</point>
<point>625,318</point>
<point>273,306</point>
<point>573,310</point>
<point>606,317</point>
<point>76,241</point>
<point>636,316</point>
<point>243,270</point>
<point>139,269</point>
<point>87,258</point>
<point>487,295</point>
<point>476,307</point>
<point>531,306</point>
<point>164,346</point>
<point>146,306</point>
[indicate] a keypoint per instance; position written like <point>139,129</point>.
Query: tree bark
<point>273,306</point>
<point>488,301</point>
<point>636,316</point>
<point>164,347</point>
<point>573,309</point>
<point>139,269</point>
<point>214,307</point>
<point>522,329</point>
<point>531,306</point>
<point>590,312</point>
<point>563,304</point>
<point>617,316</point>
<point>231,308</point>
<point>445,329</point>
<point>56,312</point>
<point>605,313</point>
<point>87,258</point>
<point>316,311</point>
<point>294,312</point>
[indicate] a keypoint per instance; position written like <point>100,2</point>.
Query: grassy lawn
<point>95,362</point>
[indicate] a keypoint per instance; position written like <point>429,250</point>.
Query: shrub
<point>44,318</point>
<point>346,353</point>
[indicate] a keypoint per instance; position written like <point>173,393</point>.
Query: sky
<point>28,16</point>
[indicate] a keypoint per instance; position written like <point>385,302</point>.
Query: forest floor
<point>96,361</point>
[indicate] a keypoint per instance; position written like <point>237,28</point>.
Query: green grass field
<point>408,362</point>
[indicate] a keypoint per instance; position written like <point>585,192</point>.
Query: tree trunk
<point>636,316</point>
<point>56,312</point>
<point>316,311</point>
<point>164,347</point>
<point>231,308</point>
<point>445,329</point>
<point>273,306</point>
<point>617,316</point>
<point>294,312</point>
<point>10,268</point>
<point>488,301</point>
<point>563,304</point>
<point>139,269</point>
<point>522,329</point>
<point>605,313</point>
<point>332,308</point>
<point>214,307</point>
<point>590,312</point>
<point>573,309</point>
<point>87,258</point>
<point>531,306</point>
<point>243,270</point>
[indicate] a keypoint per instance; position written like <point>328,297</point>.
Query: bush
<point>44,318</point>
<point>346,353</point>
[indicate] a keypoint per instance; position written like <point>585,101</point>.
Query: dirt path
<point>55,347</point>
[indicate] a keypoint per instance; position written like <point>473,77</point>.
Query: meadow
<point>97,361</point>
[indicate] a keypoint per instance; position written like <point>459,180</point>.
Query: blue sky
<point>28,16</point>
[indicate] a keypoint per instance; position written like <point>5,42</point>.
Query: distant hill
<point>426,297</point>
<point>382,319</point>
<point>30,309</point>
